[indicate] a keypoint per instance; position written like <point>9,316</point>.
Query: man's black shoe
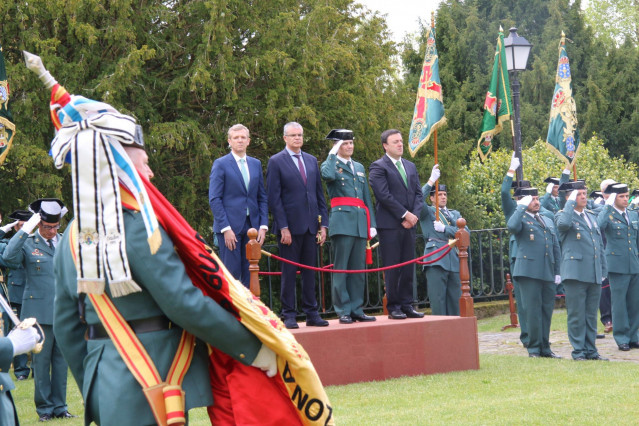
<point>597,358</point>
<point>345,319</point>
<point>64,415</point>
<point>363,318</point>
<point>397,315</point>
<point>633,345</point>
<point>412,313</point>
<point>550,354</point>
<point>45,417</point>
<point>580,358</point>
<point>624,347</point>
<point>290,323</point>
<point>21,378</point>
<point>534,356</point>
<point>601,336</point>
<point>316,322</point>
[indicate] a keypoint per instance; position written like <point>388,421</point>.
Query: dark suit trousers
<point>302,250</point>
<point>397,246</point>
<point>235,260</point>
<point>605,306</point>
<point>50,376</point>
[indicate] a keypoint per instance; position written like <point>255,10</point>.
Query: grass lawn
<point>506,390</point>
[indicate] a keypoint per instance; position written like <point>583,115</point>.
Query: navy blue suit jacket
<point>229,198</point>
<point>392,197</point>
<point>294,205</point>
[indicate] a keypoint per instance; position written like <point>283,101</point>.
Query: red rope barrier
<point>447,249</point>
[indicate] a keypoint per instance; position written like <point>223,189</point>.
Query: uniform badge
<point>340,171</point>
<point>578,236</point>
<point>36,252</point>
<point>360,174</point>
<point>532,237</point>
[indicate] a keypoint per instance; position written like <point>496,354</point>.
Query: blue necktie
<point>245,174</point>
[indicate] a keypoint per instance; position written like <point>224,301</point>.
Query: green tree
<point>614,21</point>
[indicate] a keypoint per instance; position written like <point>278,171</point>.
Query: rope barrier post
<point>253,254</point>
<point>466,307</point>
<point>511,302</point>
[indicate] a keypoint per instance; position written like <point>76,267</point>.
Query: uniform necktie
<point>301,166</point>
<point>402,172</point>
<point>50,242</point>
<point>245,174</point>
<point>541,222</point>
<point>583,216</point>
<point>350,166</point>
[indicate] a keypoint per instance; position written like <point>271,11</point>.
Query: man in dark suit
<point>296,200</point>
<point>398,202</point>
<point>238,201</point>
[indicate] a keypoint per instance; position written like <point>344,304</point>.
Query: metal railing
<point>488,265</point>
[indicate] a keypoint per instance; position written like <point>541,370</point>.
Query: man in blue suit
<point>398,203</point>
<point>238,201</point>
<point>296,200</point>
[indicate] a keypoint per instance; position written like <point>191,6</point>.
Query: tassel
<point>155,241</point>
<point>91,286</point>
<point>369,254</point>
<point>124,288</point>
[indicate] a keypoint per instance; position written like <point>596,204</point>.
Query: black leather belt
<point>146,325</point>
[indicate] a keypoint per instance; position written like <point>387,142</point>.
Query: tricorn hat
<point>552,180</point>
<point>441,188</point>
<point>572,185</point>
<point>340,135</point>
<point>50,209</point>
<point>595,194</point>
<point>520,184</point>
<point>635,193</point>
<point>616,188</point>
<point>22,215</point>
<point>521,192</point>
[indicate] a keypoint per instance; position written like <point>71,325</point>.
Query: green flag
<point>7,128</point>
<point>563,134</point>
<point>428,115</point>
<point>498,104</point>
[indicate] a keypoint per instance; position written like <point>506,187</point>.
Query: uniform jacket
<point>392,197</point>
<point>538,253</point>
<point>340,182</point>
<point>16,276</point>
<point>229,198</point>
<point>434,239</point>
<point>36,257</point>
<point>582,248</point>
<point>101,375</point>
<point>551,203</point>
<point>621,240</point>
<point>294,205</point>
<point>6,384</point>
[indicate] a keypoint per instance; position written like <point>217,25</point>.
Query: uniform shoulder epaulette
<point>560,211</point>
<point>590,211</point>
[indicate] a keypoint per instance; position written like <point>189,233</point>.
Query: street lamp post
<point>517,50</point>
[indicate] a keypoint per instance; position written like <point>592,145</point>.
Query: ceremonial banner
<point>498,104</point>
<point>429,106</point>
<point>563,134</point>
<point>7,128</point>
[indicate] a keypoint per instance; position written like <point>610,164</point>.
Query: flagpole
<point>432,25</point>
<point>574,171</point>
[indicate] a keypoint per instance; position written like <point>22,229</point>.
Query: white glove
<point>573,195</point>
<point>373,232</point>
<point>266,361</point>
<point>6,228</point>
<point>549,187</point>
<point>435,174</point>
<point>525,201</point>
<point>439,227</point>
<point>635,200</point>
<point>23,340</point>
<point>557,279</point>
<point>599,201</point>
<point>335,148</point>
<point>566,171</point>
<point>514,163</point>
<point>611,199</point>
<point>31,224</point>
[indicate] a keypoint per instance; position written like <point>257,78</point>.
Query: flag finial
<point>432,19</point>
<point>501,29</point>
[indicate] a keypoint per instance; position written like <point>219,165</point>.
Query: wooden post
<point>511,302</point>
<point>466,307</point>
<point>253,254</point>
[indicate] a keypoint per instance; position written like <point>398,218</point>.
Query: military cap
<point>634,194</point>
<point>552,180</point>
<point>340,135</point>
<point>441,188</point>
<point>22,215</point>
<point>595,194</point>
<point>616,188</point>
<point>50,209</point>
<point>572,185</point>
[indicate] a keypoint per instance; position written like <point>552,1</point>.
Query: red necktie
<point>301,166</point>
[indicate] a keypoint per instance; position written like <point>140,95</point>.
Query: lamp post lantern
<point>517,50</point>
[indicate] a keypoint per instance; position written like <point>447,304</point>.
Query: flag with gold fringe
<point>7,128</point>
<point>498,104</point>
<point>563,134</point>
<point>429,106</point>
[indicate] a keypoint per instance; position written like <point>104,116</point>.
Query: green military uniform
<point>623,271</point>
<point>49,367</point>
<point>536,265</point>
<point>348,232</point>
<point>112,395</point>
<point>442,277</point>
<point>8,414</point>
<point>583,267</point>
<point>548,201</point>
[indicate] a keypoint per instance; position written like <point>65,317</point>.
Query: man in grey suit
<point>536,269</point>
<point>583,268</point>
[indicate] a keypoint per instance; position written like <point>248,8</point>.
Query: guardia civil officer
<point>583,268</point>
<point>352,224</point>
<point>442,277</point>
<point>550,200</point>
<point>35,254</point>
<point>621,228</point>
<point>536,269</point>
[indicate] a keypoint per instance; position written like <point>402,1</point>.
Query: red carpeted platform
<point>349,353</point>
